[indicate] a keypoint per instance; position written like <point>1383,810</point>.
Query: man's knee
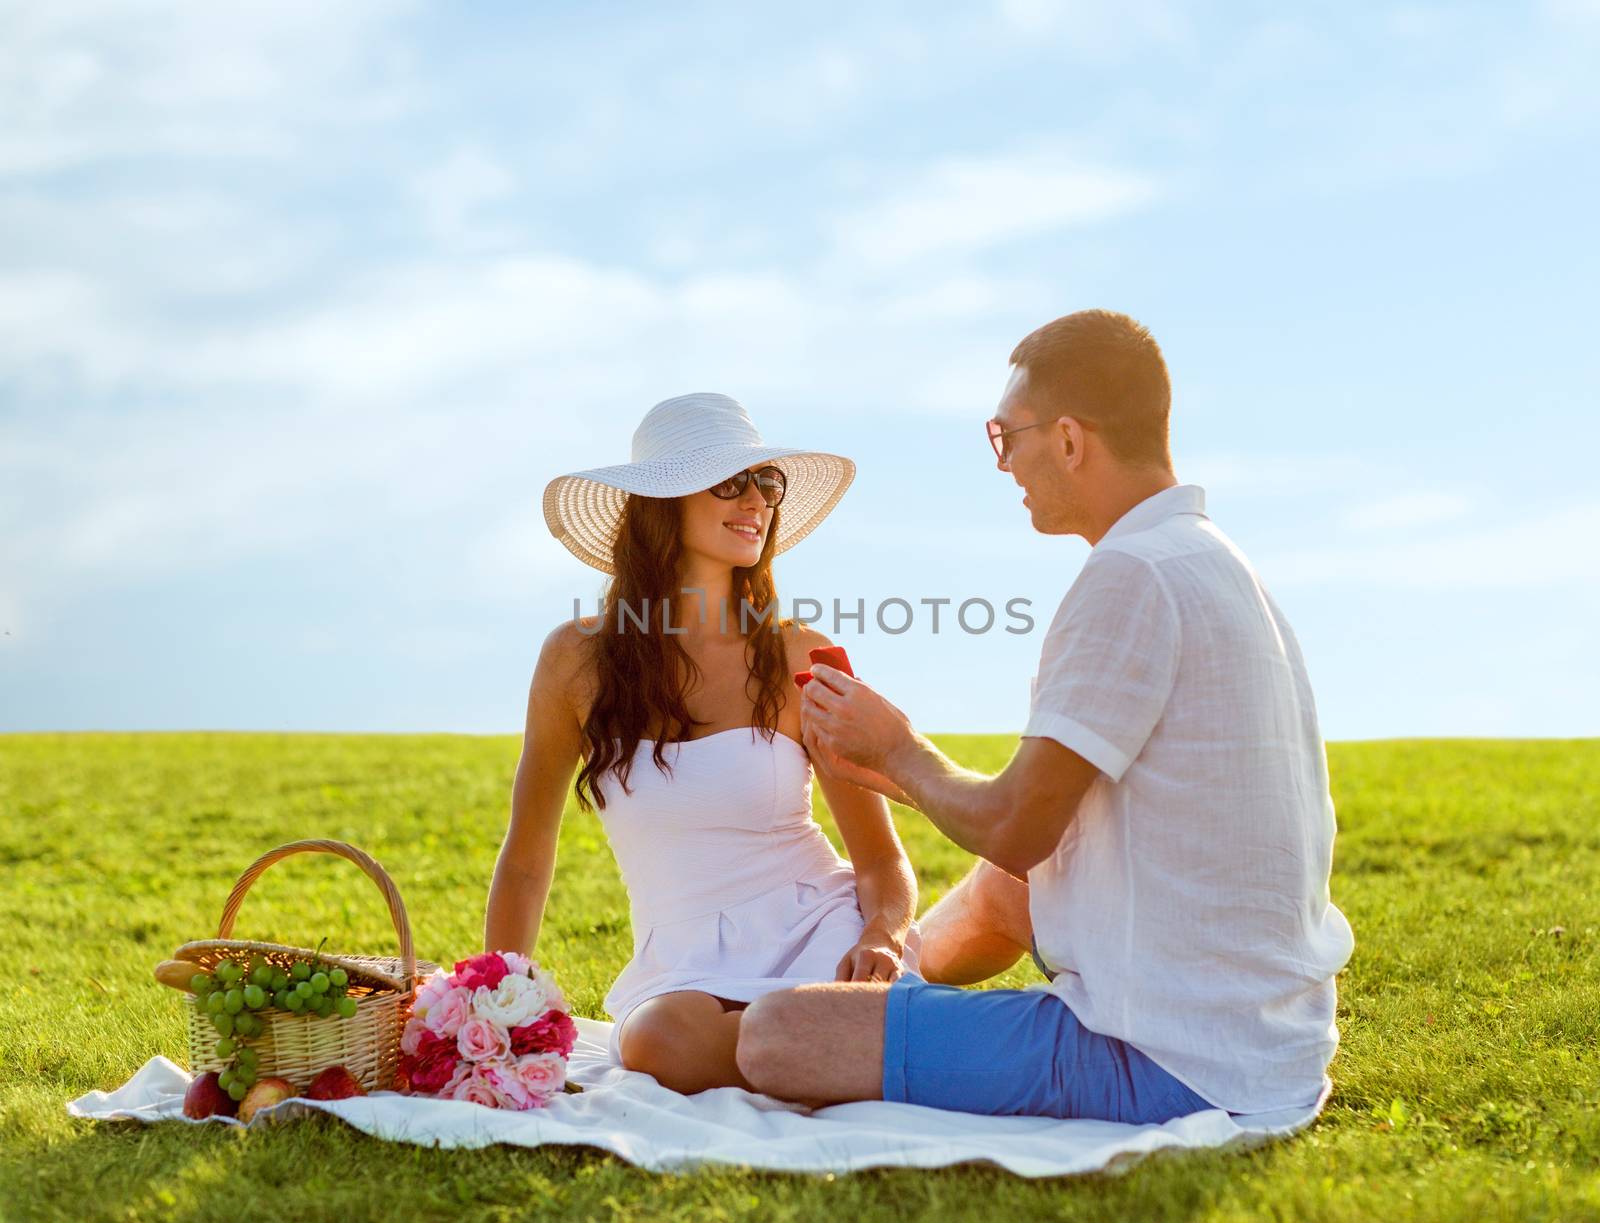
<point>1001,902</point>
<point>762,1029</point>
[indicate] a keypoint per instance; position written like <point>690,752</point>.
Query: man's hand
<point>872,959</point>
<point>829,762</point>
<point>827,714</point>
<point>850,721</point>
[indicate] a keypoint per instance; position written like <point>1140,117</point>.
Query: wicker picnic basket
<point>298,1046</point>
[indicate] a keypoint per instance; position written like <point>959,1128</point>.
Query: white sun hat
<point>686,445</point>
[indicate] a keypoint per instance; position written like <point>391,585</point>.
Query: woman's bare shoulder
<point>565,658</point>
<point>799,639</point>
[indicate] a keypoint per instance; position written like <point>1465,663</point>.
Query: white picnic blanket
<point>633,1116</point>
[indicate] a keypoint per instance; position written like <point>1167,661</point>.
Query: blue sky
<point>301,306</point>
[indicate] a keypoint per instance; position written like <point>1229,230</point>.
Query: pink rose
<point>411,1035</point>
<point>431,990</point>
<point>467,1085</point>
<point>517,963</point>
<point>486,970</point>
<point>552,1032</point>
<point>434,1064</point>
<point>476,1083</point>
<point>446,1016</point>
<point>482,1040</point>
<point>505,1081</point>
<point>541,1075</point>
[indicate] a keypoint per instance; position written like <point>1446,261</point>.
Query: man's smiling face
<point>1039,459</point>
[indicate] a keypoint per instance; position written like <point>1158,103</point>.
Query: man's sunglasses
<point>998,435</point>
<point>771,483</point>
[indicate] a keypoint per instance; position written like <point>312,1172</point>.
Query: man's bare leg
<point>816,1044</point>
<point>977,930</point>
<point>981,928</point>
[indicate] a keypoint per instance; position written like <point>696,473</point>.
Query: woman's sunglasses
<point>770,482</point>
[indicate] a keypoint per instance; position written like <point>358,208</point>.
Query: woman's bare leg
<point>980,928</point>
<point>686,1040</point>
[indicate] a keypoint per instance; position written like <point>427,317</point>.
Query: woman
<point>681,711</point>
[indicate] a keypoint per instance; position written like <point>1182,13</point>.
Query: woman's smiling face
<point>732,531</point>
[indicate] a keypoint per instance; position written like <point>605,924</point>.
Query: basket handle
<point>391,894</point>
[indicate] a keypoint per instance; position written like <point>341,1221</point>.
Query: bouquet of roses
<point>495,1031</point>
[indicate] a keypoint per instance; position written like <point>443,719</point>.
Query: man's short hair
<point>1106,368</point>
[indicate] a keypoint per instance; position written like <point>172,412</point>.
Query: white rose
<point>515,1001</point>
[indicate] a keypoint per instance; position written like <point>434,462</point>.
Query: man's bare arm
<point>1014,819</point>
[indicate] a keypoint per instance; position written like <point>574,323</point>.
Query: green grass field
<point>1467,1082</point>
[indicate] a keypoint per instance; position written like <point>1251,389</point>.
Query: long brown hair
<point>640,676</point>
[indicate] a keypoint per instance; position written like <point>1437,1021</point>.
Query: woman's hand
<point>872,959</point>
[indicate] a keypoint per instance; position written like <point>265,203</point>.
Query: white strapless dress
<point>733,887</point>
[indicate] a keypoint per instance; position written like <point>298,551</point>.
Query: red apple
<point>264,1094</point>
<point>334,1083</point>
<point>205,1097</point>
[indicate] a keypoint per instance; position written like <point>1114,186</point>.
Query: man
<point>1161,840</point>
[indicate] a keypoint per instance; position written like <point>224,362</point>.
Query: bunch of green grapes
<point>232,994</point>
<point>308,989</point>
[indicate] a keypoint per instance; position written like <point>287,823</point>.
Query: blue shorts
<point>1017,1052</point>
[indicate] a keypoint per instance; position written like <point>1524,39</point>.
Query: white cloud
<point>440,391</point>
<point>804,94</point>
<point>407,331</point>
<point>1493,88</point>
<point>1030,16</point>
<point>960,205</point>
<point>1095,27</point>
<point>951,297</point>
<point>517,556</point>
<point>1275,475</point>
<point>1555,548</point>
<point>82,82</point>
<point>149,244</point>
<point>454,194</point>
<point>1574,12</point>
<point>1405,510</point>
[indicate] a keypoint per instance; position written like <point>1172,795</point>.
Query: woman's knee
<point>662,1032</point>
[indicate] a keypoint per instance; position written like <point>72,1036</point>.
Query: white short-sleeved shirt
<point>1186,906</point>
